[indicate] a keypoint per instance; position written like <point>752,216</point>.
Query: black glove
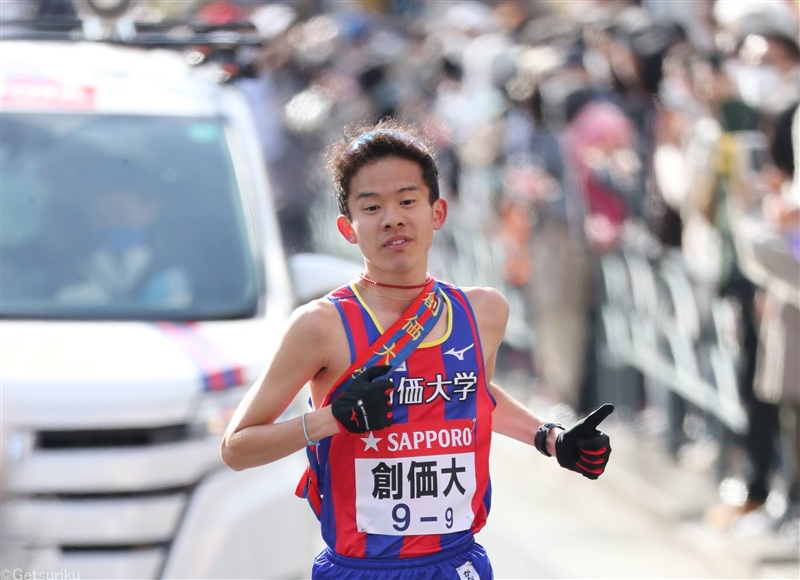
<point>364,405</point>
<point>584,449</point>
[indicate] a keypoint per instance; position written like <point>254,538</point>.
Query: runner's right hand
<point>364,405</point>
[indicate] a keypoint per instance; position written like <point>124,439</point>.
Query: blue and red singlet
<point>420,487</point>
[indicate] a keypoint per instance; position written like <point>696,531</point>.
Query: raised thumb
<point>591,422</point>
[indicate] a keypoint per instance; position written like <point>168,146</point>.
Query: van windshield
<point>112,217</point>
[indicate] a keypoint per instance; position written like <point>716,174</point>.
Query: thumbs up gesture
<point>584,449</point>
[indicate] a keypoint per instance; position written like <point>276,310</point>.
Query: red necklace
<point>396,286</point>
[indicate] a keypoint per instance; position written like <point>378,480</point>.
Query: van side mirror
<point>314,275</point>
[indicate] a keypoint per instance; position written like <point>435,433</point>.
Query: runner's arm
<point>254,437</point>
<point>510,417</point>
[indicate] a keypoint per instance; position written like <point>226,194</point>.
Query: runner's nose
<point>392,218</point>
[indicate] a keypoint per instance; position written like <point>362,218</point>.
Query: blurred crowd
<point>568,132</point>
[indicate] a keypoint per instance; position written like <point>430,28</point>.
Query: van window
<point>121,217</point>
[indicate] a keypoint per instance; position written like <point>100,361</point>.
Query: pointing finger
<point>598,416</point>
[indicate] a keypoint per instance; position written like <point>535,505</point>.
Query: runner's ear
<point>346,229</point>
<point>439,213</point>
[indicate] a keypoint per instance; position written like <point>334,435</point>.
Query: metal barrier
<point>672,330</point>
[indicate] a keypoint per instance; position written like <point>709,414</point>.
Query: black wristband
<point>540,440</point>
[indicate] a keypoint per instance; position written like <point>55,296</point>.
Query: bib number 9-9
<point>401,514</point>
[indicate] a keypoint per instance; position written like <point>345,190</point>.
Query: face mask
<point>757,84</point>
<point>616,176</point>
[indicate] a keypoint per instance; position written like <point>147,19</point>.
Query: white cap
<point>470,16</point>
<point>273,19</point>
<point>743,17</point>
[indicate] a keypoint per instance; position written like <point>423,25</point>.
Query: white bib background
<point>400,514</point>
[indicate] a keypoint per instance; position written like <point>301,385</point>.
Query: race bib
<point>416,479</point>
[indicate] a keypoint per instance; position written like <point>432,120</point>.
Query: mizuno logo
<point>459,354</point>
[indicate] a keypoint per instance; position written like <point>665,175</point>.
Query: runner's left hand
<point>584,449</point>
<point>364,404</point>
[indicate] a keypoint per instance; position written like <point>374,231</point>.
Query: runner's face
<point>392,220</point>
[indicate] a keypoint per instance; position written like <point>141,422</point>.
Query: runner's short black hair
<point>362,144</point>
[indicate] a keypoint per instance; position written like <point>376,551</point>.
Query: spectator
<point>735,93</point>
<point>711,179</point>
<point>637,53</point>
<point>766,241</point>
<point>767,67</point>
<point>274,82</point>
<point>601,142</point>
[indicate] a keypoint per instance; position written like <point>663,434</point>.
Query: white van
<point>143,283</point>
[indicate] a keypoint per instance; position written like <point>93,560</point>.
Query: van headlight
<point>215,410</point>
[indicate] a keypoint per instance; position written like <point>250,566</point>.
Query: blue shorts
<point>466,562</point>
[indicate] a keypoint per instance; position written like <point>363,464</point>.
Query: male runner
<point>399,367</point>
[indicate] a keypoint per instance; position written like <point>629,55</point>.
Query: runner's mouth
<point>397,242</point>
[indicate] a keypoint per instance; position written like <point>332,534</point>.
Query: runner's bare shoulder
<point>490,307</point>
<point>316,330</point>
<point>317,320</point>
